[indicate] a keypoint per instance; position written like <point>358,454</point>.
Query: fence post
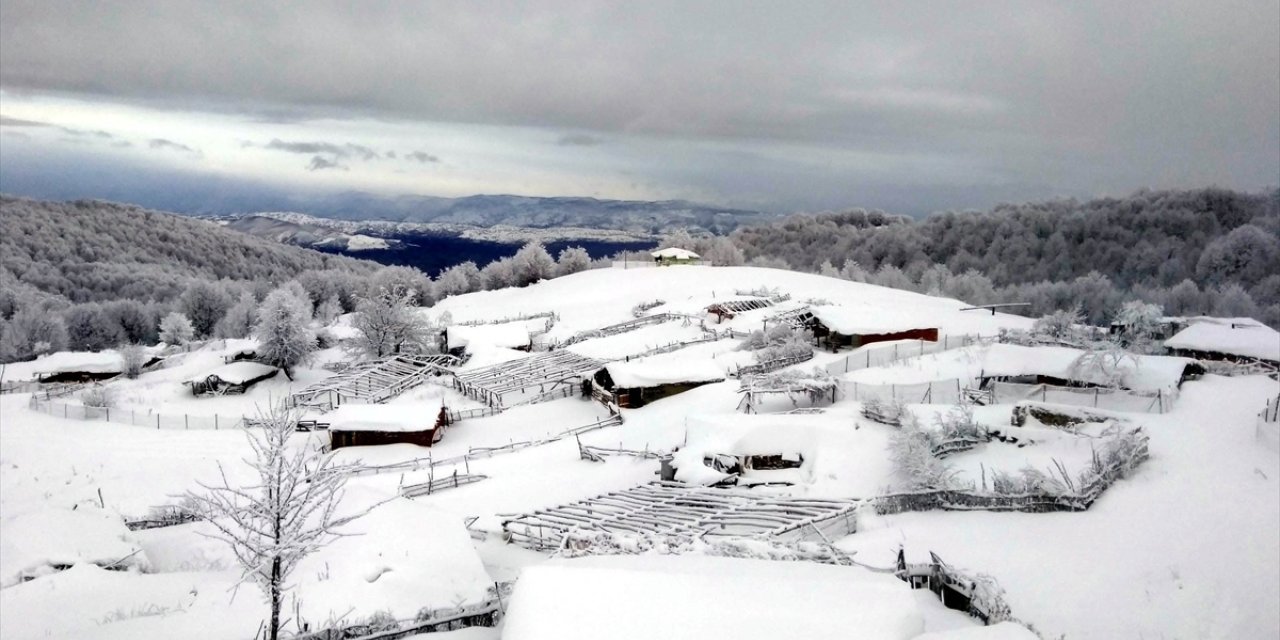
<point>157,421</point>
<point>215,422</point>
<point>1095,397</point>
<point>64,410</point>
<point>186,421</point>
<point>108,414</point>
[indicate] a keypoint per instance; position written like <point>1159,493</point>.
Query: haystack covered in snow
<point>54,539</point>
<point>838,327</point>
<point>675,255</point>
<point>512,335</point>
<point>361,425</point>
<point>1234,339</point>
<point>236,377</point>
<point>635,384</point>
<point>644,597</point>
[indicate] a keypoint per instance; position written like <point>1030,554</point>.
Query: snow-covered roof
<point>660,371</point>
<point>869,321</point>
<point>675,253</point>
<point>34,541</point>
<point>650,596</point>
<point>402,416</point>
<point>1231,336</point>
<point>237,372</point>
<point>403,556</point>
<point>509,335</point>
<point>706,436</point>
<point>1140,373</point>
<point>108,361</point>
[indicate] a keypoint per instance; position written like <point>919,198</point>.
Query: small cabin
<point>675,255</point>
<point>836,328</point>
<point>1242,340</point>
<point>635,384</point>
<point>233,378</point>
<point>84,366</point>
<point>369,425</point>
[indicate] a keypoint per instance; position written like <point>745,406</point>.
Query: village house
<point>1243,340</point>
<point>675,255</point>
<point>839,327</point>
<point>635,384</point>
<point>366,425</point>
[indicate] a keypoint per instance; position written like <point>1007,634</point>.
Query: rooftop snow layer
<point>698,597</point>
<point>509,335</point>
<point>1218,335</point>
<point>237,372</point>
<point>108,361</point>
<point>660,371</point>
<point>402,416</point>
<point>675,253</point>
<point>867,320</point>
<point>33,542</point>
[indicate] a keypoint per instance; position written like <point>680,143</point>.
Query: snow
<point>109,361</point>
<point>644,597</point>
<point>383,417</point>
<point>35,541</point>
<point>870,320</point>
<point>1217,335</point>
<point>361,242</point>
<point>675,253</point>
<point>1000,631</point>
<point>658,371</point>
<point>509,335</point>
<point>237,372</point>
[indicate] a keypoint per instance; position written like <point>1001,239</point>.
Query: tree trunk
<point>276,598</point>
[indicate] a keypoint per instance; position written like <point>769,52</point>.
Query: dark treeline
<point>1199,251</point>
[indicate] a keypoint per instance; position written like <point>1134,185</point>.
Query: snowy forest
<point>1204,251</point>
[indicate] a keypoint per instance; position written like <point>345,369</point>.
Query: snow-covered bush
<point>176,329</point>
<point>779,341</point>
<point>911,450</point>
<point>572,260</point>
<point>328,310</point>
<point>958,424</point>
<point>98,396</point>
<point>134,358</point>
<point>387,324</point>
<point>890,413</point>
<point>531,264</point>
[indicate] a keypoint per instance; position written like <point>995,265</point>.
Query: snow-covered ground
<point>1187,546</point>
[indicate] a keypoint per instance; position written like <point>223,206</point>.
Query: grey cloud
<point>169,145</point>
<point>86,133</point>
<point>422,156</point>
<point>347,150</point>
<point>579,140</point>
<point>6,121</point>
<point>319,163</point>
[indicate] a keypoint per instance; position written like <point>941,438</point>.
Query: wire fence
<point>933,392</point>
<point>886,354</point>
<point>135,417</point>
<point>1159,401</point>
<point>1268,431</point>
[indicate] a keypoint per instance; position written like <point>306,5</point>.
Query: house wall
<point>339,438</point>
<point>637,397</point>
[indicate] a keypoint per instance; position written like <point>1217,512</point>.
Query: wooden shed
<point>675,255</point>
<point>236,377</point>
<point>368,425</point>
<point>635,384</point>
<point>837,327</point>
<point>1242,340</point>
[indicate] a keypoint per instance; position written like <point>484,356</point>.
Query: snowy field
<point>1188,546</point>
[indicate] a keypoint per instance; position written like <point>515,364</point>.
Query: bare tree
<point>289,513</point>
<point>388,324</point>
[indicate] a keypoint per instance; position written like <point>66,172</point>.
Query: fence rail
<point>1159,401</point>
<point>135,417</point>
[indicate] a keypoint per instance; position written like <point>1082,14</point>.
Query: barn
<point>635,384</point>
<point>235,377</point>
<point>367,425</point>
<point>675,255</point>
<point>837,327</point>
<point>1227,339</point>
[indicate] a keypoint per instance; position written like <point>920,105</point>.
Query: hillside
<point>88,251</point>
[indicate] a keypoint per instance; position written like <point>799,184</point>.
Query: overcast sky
<point>906,106</point>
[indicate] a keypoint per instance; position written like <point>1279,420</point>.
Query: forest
<point>1203,251</point>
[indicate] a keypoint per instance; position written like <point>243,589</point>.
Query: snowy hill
<point>1180,545</point>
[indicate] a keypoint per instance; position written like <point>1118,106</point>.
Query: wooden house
<point>235,377</point>
<point>367,425</point>
<point>635,384</point>
<point>675,255</point>
<point>84,366</point>
<point>838,327</point>
<point>1243,340</point>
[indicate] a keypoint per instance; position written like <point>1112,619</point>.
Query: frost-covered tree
<point>134,358</point>
<point>458,279</point>
<point>329,310</point>
<point>911,450</point>
<point>134,319</point>
<point>387,324</point>
<point>1105,365</point>
<point>1059,325</point>
<point>405,282</point>
<point>91,328</point>
<point>722,252</point>
<point>288,512</point>
<point>893,277</point>
<point>572,260</point>
<point>175,328</point>
<point>1234,302</point>
<point>1245,255</point>
<point>1141,321</point>
<point>204,303</point>
<point>240,318</point>
<point>284,339</point>
<point>498,274</point>
<point>765,262</point>
<point>532,263</point>
<point>31,332</point>
<point>1185,299</point>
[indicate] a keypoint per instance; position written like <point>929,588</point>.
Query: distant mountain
<point>303,234</point>
<point>633,216</point>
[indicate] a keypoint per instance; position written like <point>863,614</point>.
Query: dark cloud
<point>319,163</point>
<point>344,151</point>
<point>86,133</point>
<point>6,121</point>
<point>169,145</point>
<point>422,156</point>
<point>579,140</point>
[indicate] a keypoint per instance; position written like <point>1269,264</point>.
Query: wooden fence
<point>879,355</point>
